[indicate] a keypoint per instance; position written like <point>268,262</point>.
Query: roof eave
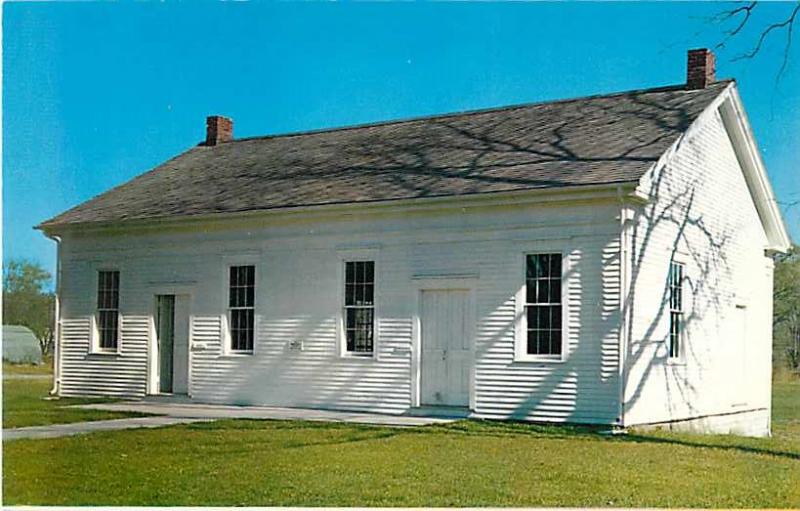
<point>738,126</point>
<point>731,109</point>
<point>572,193</point>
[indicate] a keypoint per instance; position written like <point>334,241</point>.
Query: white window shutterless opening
<point>543,305</point>
<point>108,310</point>
<point>241,308</point>
<point>359,307</point>
<point>446,347</point>
<point>676,321</point>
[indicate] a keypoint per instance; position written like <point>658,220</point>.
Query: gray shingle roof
<point>588,141</point>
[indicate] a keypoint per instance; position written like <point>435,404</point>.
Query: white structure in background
<point>20,345</point>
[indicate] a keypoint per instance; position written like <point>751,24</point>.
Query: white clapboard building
<point>602,260</point>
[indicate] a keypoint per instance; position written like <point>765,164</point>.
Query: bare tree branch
<point>726,15</point>
<point>788,22</point>
<point>788,43</point>
<point>743,16</point>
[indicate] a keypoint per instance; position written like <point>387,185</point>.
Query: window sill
<point>539,359</point>
<point>238,354</point>
<point>107,353</point>
<point>359,356</point>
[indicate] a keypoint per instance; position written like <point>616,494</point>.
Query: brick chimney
<point>700,69</point>
<point>219,129</point>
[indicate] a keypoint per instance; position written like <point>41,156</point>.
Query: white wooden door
<point>172,332</point>
<point>446,355</point>
<point>165,330</point>
<point>180,381</point>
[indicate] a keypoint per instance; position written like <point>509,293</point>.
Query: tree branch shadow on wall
<point>679,214</point>
<point>413,164</point>
<point>683,224</point>
<point>415,159</point>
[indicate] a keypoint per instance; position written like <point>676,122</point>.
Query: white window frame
<point>227,340</point>
<point>680,358</point>
<point>351,256</point>
<point>95,348</point>
<point>521,324</point>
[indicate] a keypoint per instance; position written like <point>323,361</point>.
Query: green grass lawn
<point>45,368</point>
<point>468,463</point>
<point>24,404</point>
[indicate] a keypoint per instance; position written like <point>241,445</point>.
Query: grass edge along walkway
<point>468,463</point>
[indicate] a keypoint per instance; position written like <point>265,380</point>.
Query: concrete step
<point>168,398</point>
<point>450,412</point>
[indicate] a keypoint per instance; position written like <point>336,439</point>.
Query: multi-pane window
<point>107,309</point>
<point>543,304</point>
<point>241,307</point>
<point>675,281</point>
<point>359,306</point>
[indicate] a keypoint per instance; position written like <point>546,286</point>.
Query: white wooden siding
<point>298,297</point>
<point>582,388</point>
<point>85,374</point>
<point>704,217</point>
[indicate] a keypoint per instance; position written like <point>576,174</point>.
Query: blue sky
<point>96,93</point>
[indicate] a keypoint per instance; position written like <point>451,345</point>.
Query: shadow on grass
<point>348,439</point>
<point>489,428</point>
<point>485,428</point>
<point>725,444</point>
<point>601,433</point>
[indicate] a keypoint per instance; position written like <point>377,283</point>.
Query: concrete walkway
<point>210,411</point>
<point>18,376</point>
<point>81,428</point>
<point>171,413</point>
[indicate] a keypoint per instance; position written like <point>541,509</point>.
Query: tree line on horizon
<point>28,301</point>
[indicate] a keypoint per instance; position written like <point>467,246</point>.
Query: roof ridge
<point>663,88</point>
